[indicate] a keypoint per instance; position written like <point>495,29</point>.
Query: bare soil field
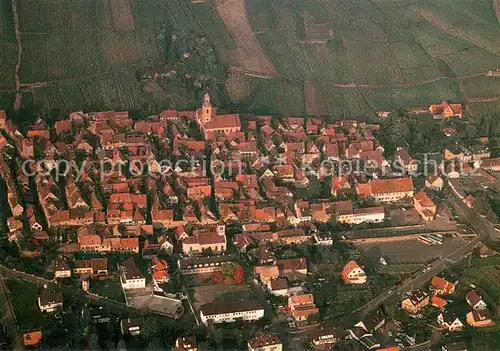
<point>122,15</point>
<point>251,56</point>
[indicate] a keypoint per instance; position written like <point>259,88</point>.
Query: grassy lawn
<point>24,298</point>
<point>400,269</point>
<point>108,288</point>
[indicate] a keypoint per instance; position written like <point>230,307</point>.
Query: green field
<point>483,273</point>
<point>378,55</point>
<point>404,52</point>
<point>8,48</point>
<point>24,299</point>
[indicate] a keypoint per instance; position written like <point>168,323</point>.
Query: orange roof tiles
<point>364,189</point>
<point>306,299</point>
<point>89,240</point>
<point>223,122</point>
<point>129,243</point>
<point>349,267</point>
<point>443,106</point>
<point>424,200</point>
<point>32,339</point>
<point>438,302</point>
<point>397,185</point>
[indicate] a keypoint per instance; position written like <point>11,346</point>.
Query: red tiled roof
<point>89,240</point>
<point>343,207</point>
<point>306,299</point>
<point>397,185</point>
<point>473,297</point>
<point>223,121</point>
<point>292,264</point>
<point>425,201</point>
<point>129,243</point>
<point>32,339</point>
<point>439,109</point>
<point>351,265</point>
<point>364,189</point>
<point>438,302</point>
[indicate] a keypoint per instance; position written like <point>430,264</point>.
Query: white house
<point>475,301</point>
<point>61,269</point>
<point>449,321</point>
<point>278,287</point>
<point>131,326</point>
<point>353,273</point>
<point>130,276</point>
<point>220,312</point>
<point>369,215</point>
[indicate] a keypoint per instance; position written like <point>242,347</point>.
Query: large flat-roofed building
<point>220,312</point>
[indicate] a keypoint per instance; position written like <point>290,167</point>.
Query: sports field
<point>333,58</point>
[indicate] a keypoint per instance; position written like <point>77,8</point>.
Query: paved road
<point>112,304</point>
<point>468,216</point>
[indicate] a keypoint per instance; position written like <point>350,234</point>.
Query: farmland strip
<point>19,95</point>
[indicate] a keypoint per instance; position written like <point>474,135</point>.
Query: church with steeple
<point>212,124</point>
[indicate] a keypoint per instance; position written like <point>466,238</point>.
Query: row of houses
<point>447,319</point>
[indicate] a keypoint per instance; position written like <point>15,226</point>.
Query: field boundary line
<point>19,95</point>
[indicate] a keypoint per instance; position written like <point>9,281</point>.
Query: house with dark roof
<point>130,276</point>
<point>265,342</point>
<point>372,322</point>
<point>475,301</point>
<point>61,269</point>
<point>50,301</point>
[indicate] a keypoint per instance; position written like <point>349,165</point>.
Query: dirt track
<point>251,55</point>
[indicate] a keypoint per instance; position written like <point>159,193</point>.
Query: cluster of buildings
<point>143,187</point>
<point>440,290</point>
<point>126,177</point>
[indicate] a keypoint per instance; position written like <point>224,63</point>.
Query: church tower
<point>206,110</point>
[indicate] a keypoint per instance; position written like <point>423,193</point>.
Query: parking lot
<point>409,251</point>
